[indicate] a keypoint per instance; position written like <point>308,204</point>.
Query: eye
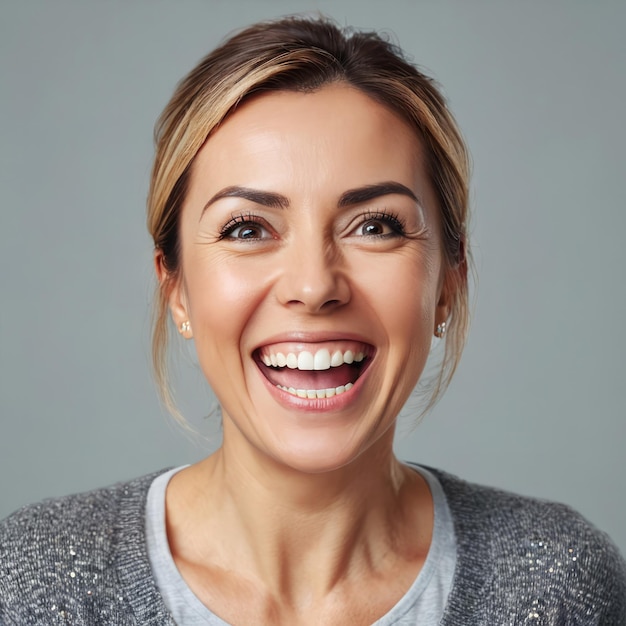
<point>244,228</point>
<point>380,225</point>
<point>374,227</point>
<point>249,231</point>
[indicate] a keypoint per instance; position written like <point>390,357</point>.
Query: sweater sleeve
<point>80,560</point>
<point>569,573</point>
<point>523,561</point>
<point>55,562</point>
<point>609,579</point>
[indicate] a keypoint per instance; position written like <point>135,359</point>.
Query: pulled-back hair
<point>304,54</point>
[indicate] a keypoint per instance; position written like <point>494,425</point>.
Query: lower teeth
<point>312,394</point>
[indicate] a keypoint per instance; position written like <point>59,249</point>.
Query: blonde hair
<point>304,54</point>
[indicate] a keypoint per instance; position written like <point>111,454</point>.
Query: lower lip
<point>316,405</point>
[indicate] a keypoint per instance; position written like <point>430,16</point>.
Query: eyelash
<point>239,220</point>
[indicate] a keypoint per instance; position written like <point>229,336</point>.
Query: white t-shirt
<point>422,604</point>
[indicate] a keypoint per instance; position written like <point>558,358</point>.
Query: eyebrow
<point>265,198</point>
<point>369,192</point>
<point>278,201</point>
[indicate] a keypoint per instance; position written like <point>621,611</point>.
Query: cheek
<point>404,288</point>
<point>404,295</point>
<point>221,299</point>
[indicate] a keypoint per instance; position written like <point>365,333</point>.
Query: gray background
<point>537,405</point>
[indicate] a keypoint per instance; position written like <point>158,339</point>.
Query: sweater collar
<point>140,592</point>
<point>131,557</point>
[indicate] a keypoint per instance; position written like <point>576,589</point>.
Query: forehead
<point>331,139</point>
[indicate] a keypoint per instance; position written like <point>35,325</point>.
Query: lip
<point>317,405</point>
<point>333,404</point>
<point>314,337</point>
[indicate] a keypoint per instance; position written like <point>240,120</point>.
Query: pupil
<point>372,229</point>
<point>247,233</point>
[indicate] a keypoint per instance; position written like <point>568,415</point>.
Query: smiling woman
<point>292,255</point>
<point>308,207</point>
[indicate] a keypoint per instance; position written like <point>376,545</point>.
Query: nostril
<point>331,303</point>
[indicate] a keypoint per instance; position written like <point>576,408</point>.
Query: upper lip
<point>313,337</point>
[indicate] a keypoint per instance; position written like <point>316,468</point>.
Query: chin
<point>317,453</point>
<point>315,464</point>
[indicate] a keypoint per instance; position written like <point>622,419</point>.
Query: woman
<point>308,206</point>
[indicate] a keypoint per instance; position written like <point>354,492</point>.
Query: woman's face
<point>311,274</point>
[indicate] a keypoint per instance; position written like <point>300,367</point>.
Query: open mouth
<point>318,371</point>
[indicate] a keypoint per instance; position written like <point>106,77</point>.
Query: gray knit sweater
<point>82,560</point>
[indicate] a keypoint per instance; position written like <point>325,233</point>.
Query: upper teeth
<point>321,360</point>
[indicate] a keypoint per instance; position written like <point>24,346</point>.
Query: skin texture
<point>305,503</point>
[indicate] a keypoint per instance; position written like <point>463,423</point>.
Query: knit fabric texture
<point>82,560</point>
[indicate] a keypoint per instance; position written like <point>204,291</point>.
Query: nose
<point>313,277</point>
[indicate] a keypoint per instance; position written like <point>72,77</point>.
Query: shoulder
<point>540,556</point>
<point>62,555</point>
<point>55,526</point>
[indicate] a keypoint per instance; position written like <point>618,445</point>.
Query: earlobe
<point>173,291</point>
<point>178,307</point>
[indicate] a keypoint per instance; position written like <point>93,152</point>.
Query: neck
<point>293,529</point>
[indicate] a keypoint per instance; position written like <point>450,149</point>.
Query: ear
<point>453,278</point>
<point>173,291</point>
<point>446,297</point>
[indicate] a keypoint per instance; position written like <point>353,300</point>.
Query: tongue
<point>324,379</point>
